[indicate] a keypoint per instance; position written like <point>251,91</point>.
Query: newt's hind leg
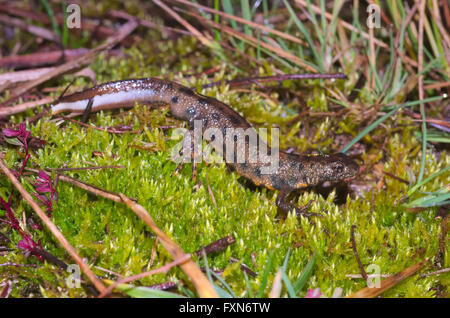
<point>284,205</point>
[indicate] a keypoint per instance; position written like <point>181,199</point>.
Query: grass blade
<point>305,33</point>
<point>265,275</point>
<point>287,283</point>
<point>144,292</point>
<point>303,278</point>
<point>383,118</point>
<point>418,185</point>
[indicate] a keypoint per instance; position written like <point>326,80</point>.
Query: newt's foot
<point>178,169</point>
<point>288,207</point>
<point>302,211</point>
<point>194,171</point>
<point>181,165</point>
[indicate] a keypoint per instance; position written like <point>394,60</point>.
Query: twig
<point>276,287</point>
<point>6,111</point>
<point>243,21</point>
<point>440,254</point>
<point>85,168</point>
<point>439,272</point>
<point>244,267</point>
<point>40,59</point>
<point>434,121</point>
<point>201,283</point>
<point>58,235</point>
<point>211,194</point>
<point>87,58</point>
<point>395,177</point>
<point>9,78</point>
<point>146,23</point>
<point>217,246</point>
<point>35,30</point>
<point>372,60</point>
<point>370,276</point>
<point>275,78</point>
<point>437,85</point>
<point>282,53</point>
<point>361,267</point>
<point>421,90</point>
<point>388,282</point>
<point>86,24</point>
<point>108,271</point>
<point>86,186</point>
<point>6,290</point>
<point>164,286</point>
<point>163,269</point>
<point>110,130</point>
<point>183,22</point>
<point>350,27</point>
<point>51,258</point>
<point>18,265</point>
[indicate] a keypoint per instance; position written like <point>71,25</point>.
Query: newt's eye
<point>339,167</point>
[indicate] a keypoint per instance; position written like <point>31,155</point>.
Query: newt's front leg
<point>284,205</point>
<point>187,154</point>
<point>190,152</point>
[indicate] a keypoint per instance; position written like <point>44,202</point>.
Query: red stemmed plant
<point>43,186</point>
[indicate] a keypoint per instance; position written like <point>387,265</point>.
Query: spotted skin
<point>294,172</point>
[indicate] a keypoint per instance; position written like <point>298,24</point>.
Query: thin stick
<point>109,130</point>
<point>9,78</point>
<point>6,111</point>
<point>276,78</point>
<point>163,269</point>
<point>421,91</point>
<point>217,246</point>
<point>350,27</point>
<point>183,22</point>
<point>276,287</point>
<point>40,59</point>
<point>439,259</point>
<point>211,194</point>
<point>439,272</point>
<point>244,267</point>
<point>388,282</point>
<point>165,285</point>
<point>146,23</point>
<point>87,58</point>
<point>282,53</point>
<point>361,267</point>
<point>243,21</point>
<point>35,30</point>
<point>395,177</point>
<point>372,60</point>
<point>84,267</point>
<point>86,186</point>
<point>85,168</point>
<point>201,283</point>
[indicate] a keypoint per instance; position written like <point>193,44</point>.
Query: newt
<point>294,171</point>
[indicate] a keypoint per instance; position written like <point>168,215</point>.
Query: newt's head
<point>338,167</point>
<point>306,170</point>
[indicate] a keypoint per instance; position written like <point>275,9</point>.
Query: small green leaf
<point>265,276</point>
